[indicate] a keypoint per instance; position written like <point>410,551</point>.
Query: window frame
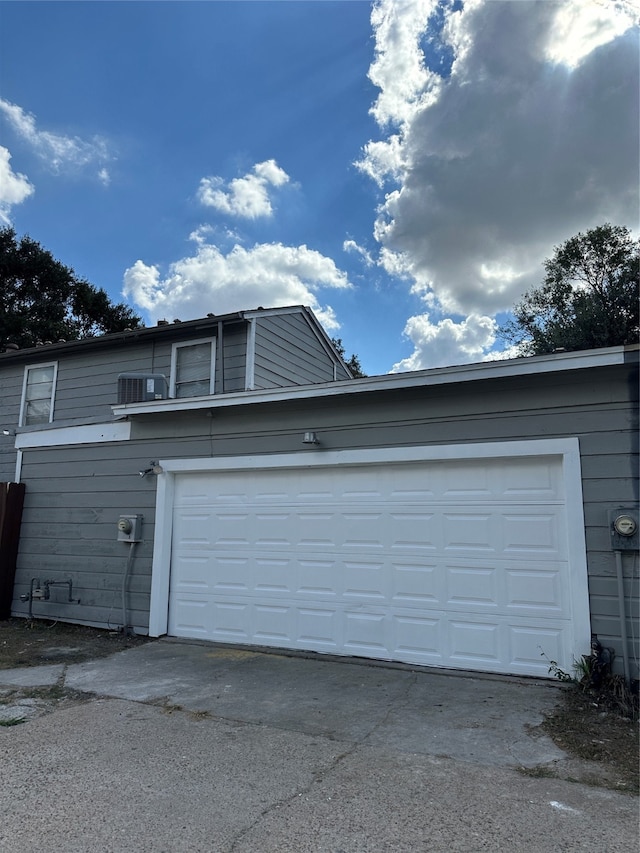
<point>174,364</point>
<point>52,398</point>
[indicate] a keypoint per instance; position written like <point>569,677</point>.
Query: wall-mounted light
<point>310,438</point>
<point>8,432</point>
<point>154,468</point>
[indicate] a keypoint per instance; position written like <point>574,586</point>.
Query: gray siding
<point>73,499</point>
<point>10,395</point>
<point>74,495</point>
<point>288,352</point>
<point>234,360</point>
<point>87,386</point>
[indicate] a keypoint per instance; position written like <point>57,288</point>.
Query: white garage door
<point>459,564</point>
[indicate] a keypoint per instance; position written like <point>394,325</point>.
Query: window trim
<point>52,399</point>
<point>174,363</point>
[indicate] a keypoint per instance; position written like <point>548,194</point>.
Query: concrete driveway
<point>190,747</point>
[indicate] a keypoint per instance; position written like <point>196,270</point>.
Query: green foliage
<point>353,363</point>
<point>589,298</point>
<point>12,721</point>
<point>43,300</point>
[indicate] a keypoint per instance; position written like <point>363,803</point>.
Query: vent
<point>141,387</point>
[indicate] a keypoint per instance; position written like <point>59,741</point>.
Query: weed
<point>12,721</point>
<point>557,671</point>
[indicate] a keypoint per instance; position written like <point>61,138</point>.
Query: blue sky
<point>402,167</point>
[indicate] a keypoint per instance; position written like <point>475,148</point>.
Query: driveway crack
<point>317,776</point>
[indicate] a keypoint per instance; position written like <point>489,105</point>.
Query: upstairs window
<point>193,368</point>
<point>38,393</point>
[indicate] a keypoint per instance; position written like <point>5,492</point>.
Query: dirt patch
<point>25,643</point>
<point>602,744</point>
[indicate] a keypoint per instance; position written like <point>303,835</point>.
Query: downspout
<point>623,618</point>
<point>220,356</point>
<point>250,367</point>
<point>126,628</point>
<point>18,466</point>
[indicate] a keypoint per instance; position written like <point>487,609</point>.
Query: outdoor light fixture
<point>8,432</point>
<point>310,438</point>
<point>154,468</point>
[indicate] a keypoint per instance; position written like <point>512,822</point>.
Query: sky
<point>402,167</point>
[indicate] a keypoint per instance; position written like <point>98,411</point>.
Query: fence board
<point>11,503</point>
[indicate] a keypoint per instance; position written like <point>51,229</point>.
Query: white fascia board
<point>388,382</point>
<point>84,434</point>
<point>377,455</point>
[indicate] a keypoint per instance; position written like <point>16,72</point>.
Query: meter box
<point>130,528</point>
<point>623,526</point>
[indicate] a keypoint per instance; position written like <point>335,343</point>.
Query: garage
<point>452,557</point>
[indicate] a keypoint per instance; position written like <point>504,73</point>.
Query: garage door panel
<point>475,641</point>
<point>533,648</point>
<point>459,564</point>
<point>472,586</point>
<point>528,534</point>
<point>438,640</point>
<point>538,587</point>
<point>318,628</point>
<point>417,639</point>
<point>416,584</point>
<point>460,585</point>
<point>315,578</point>
<point>365,634</point>
<point>532,479</point>
<point>366,581</point>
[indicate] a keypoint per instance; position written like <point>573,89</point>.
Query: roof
<point>163,330</point>
<point>532,365</point>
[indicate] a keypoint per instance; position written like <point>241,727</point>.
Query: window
<point>38,394</point>
<point>193,368</point>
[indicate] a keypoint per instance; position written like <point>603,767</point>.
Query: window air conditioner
<point>141,387</point>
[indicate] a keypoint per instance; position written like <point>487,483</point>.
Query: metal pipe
<point>623,618</point>
<point>125,627</point>
<point>35,581</point>
<point>220,343</point>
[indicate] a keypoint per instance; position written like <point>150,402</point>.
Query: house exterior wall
<point>11,380</point>
<point>287,354</point>
<point>76,493</point>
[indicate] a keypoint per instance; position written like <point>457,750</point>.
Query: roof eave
<point>546,364</point>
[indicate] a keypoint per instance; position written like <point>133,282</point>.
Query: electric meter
<point>625,525</point>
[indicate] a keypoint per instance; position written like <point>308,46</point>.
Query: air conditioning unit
<point>141,387</point>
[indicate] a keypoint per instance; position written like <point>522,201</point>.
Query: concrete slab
<point>32,676</point>
<point>478,720</point>
<point>117,775</point>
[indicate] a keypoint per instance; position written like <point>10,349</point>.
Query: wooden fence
<point>11,503</point>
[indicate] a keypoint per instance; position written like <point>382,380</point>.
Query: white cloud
<point>269,274</point>
<point>528,135</point>
<point>581,27</point>
<point>398,69</point>
<point>351,247</point>
<point>14,187</point>
<point>57,151</point>
<point>447,342</point>
<point>247,197</point>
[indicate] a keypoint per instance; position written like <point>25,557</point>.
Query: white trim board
<point>86,434</point>
<point>567,449</point>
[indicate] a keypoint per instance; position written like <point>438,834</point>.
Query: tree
<point>43,300</point>
<point>589,298</point>
<point>352,363</point>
